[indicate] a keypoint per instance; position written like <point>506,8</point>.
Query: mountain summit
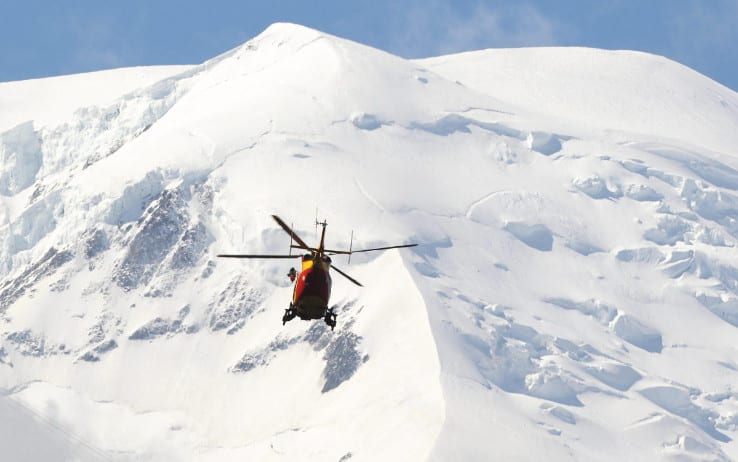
<point>574,294</point>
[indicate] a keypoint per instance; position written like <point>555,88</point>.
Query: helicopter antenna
<point>351,244</point>
<point>292,226</point>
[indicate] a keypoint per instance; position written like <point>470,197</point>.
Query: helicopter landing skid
<point>330,318</point>
<point>289,314</point>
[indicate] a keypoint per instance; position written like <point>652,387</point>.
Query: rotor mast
<point>321,246</point>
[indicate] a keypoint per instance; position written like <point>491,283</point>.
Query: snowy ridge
<point>629,91</point>
<point>52,100</point>
<point>574,289</point>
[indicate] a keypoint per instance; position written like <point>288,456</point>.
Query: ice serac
<point>29,100</point>
<point>571,258</point>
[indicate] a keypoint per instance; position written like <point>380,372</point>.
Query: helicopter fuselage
<point>312,288</point>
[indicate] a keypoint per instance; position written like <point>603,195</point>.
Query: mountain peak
<point>289,29</point>
<point>280,33</point>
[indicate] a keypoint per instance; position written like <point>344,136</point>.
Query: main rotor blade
<point>312,249</point>
<point>289,231</point>
<point>385,248</point>
<point>326,251</point>
<point>347,276</point>
<point>337,252</point>
<point>227,255</point>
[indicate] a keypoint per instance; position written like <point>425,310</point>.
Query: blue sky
<point>41,38</point>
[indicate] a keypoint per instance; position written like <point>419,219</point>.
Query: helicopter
<point>312,290</point>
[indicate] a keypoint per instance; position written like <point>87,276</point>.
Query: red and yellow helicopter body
<point>312,291</point>
<point>312,288</point>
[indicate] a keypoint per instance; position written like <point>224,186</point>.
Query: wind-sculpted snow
<point>640,192</point>
<point>366,121</point>
<point>645,255</point>
<point>519,359</point>
<point>583,247</point>
<point>725,307</point>
<point>597,188</point>
<point>601,312</point>
<point>560,413</point>
<point>678,401</point>
<point>545,143</point>
<point>454,123</point>
<point>705,194</point>
<point>641,168</point>
<point>712,204</point>
<point>719,295</point>
<point>680,262</point>
<point>670,230</point>
<point>618,376</point>
<point>637,333</point>
<point>711,170</point>
<point>626,327</point>
<point>537,236</point>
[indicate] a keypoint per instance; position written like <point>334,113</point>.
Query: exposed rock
<point>161,326</point>
<point>28,344</point>
<point>104,347</point>
<point>233,306</point>
<point>191,247</point>
<point>96,243</point>
<point>156,328</point>
<point>252,360</point>
<point>342,360</point>
<point>158,232</point>
<point>11,290</point>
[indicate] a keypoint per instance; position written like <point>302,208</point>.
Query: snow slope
<point>629,91</point>
<point>53,100</point>
<point>573,296</point>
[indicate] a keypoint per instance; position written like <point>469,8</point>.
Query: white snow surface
<point>574,293</point>
<point>53,100</point>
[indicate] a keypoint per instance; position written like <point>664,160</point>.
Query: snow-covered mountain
<point>574,295</point>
